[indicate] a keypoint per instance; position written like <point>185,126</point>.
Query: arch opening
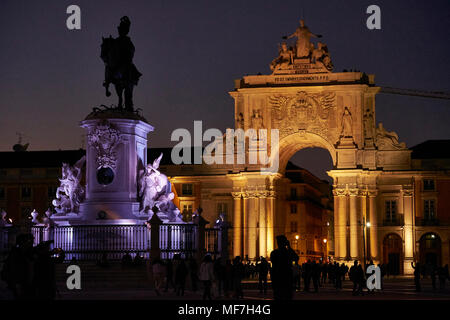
<point>393,254</point>
<point>430,249</point>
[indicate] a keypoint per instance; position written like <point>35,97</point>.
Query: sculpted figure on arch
<point>303,36</point>
<point>284,59</point>
<point>347,131</point>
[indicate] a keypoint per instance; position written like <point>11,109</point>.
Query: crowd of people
<point>29,272</point>
<point>433,271</point>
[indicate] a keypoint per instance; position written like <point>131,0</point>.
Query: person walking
<point>159,272</point>
<point>297,274</point>
<point>417,272</point>
<point>169,275</point>
<point>206,276</point>
<point>263,271</point>
<point>181,272</point>
<point>193,274</point>
<point>282,259</point>
<point>238,273</point>
<point>315,274</point>
<point>306,268</point>
<point>356,273</point>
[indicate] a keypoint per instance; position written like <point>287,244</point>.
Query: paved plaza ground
<point>394,289</point>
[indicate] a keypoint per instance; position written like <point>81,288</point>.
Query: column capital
<point>339,192</point>
<point>372,193</point>
<point>236,195</point>
<point>354,191</point>
<point>407,190</point>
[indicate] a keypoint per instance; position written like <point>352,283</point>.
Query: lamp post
<point>365,226</point>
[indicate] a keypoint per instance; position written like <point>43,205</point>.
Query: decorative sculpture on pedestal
<point>303,36</point>
<point>302,57</point>
<point>386,140</point>
<point>70,193</point>
<point>347,131</point>
<point>105,138</point>
<point>3,221</point>
<point>285,58</point>
<point>117,54</point>
<point>155,190</point>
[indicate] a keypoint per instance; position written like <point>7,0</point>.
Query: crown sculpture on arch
<point>303,57</point>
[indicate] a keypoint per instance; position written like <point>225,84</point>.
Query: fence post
<point>201,223</point>
<point>155,222</point>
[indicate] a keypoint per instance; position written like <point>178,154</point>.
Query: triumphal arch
<point>313,106</point>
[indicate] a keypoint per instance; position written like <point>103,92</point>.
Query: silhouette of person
<point>238,272</point>
<point>206,275</point>
<point>357,277</point>
<point>307,272</point>
<point>282,259</point>
<point>315,268</point>
<point>417,271</point>
<point>17,271</point>
<point>263,271</point>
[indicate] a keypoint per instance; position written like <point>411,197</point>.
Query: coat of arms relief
<point>315,113</point>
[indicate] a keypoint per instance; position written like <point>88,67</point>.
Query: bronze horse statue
<point>117,54</point>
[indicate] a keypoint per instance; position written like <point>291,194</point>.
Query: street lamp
<point>365,226</point>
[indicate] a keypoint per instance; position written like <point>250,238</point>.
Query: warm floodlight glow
<point>296,237</point>
<point>368,224</point>
<point>324,240</point>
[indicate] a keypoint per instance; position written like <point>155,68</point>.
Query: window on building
<point>186,189</point>
<point>293,208</point>
<point>2,193</point>
<point>428,185</point>
<point>429,208</point>
<point>391,210</point>
<point>25,193</point>
<point>187,212</point>
<point>293,226</point>
<point>222,208</point>
<point>53,172</point>
<point>293,193</point>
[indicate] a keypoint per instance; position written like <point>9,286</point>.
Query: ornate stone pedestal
<point>116,152</point>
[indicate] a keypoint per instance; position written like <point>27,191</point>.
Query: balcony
<point>396,221</point>
<point>429,222</point>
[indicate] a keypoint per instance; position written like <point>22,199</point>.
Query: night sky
<point>191,51</point>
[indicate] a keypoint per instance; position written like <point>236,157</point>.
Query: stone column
<point>270,215</point>
<point>408,230</point>
<point>337,231</point>
<point>340,224</point>
<point>245,224</point>
<point>354,225</point>
<point>262,225</point>
<point>374,251</point>
<point>251,226</point>
<point>237,224</point>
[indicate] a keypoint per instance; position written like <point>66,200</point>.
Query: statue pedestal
<point>116,151</point>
